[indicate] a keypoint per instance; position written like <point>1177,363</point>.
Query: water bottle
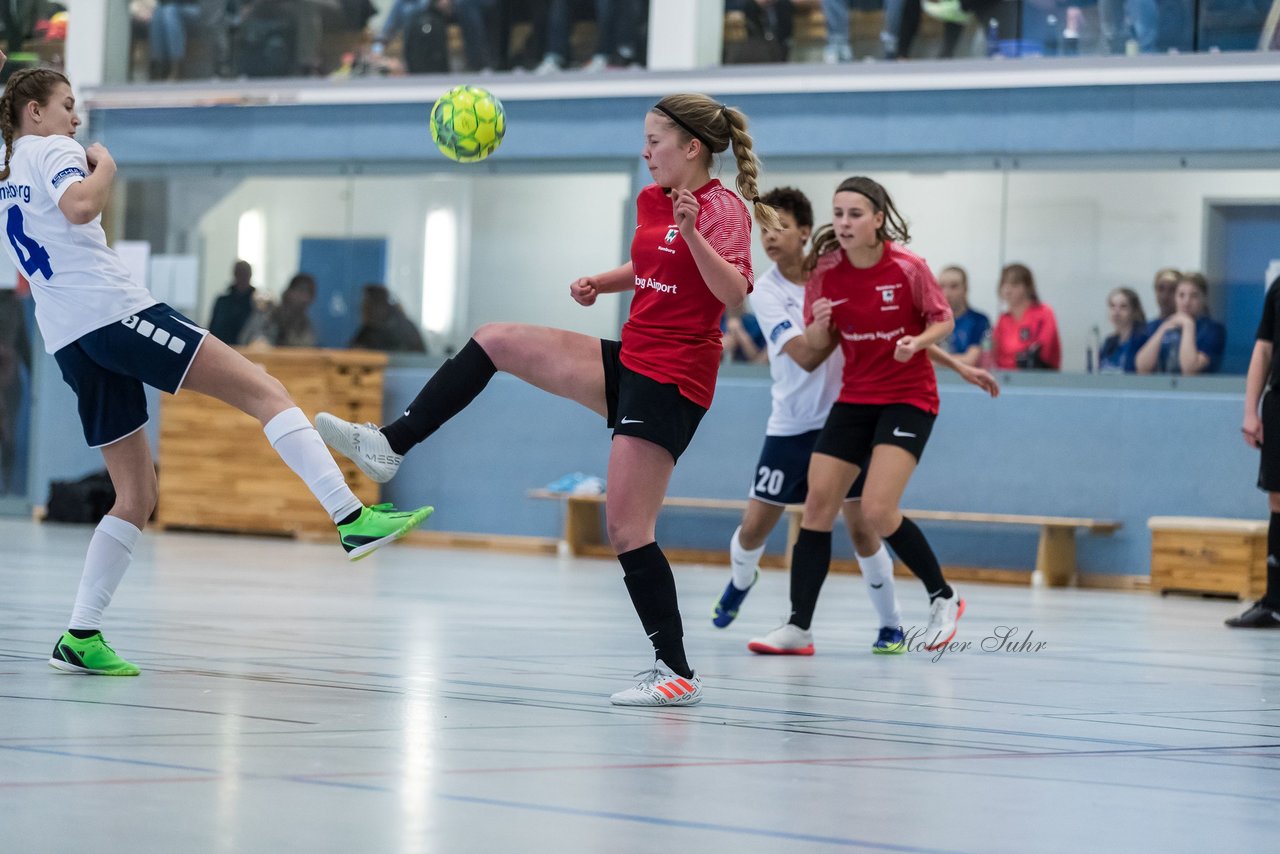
<point>987,360</point>
<point>993,37</point>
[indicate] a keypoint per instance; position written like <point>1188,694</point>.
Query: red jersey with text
<point>872,309</point>
<point>673,334</point>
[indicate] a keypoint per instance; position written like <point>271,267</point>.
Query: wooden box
<point>1197,555</point>
<point>217,470</point>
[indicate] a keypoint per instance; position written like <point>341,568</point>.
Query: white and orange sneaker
<point>661,687</point>
<point>787,639</point>
<point>943,615</point>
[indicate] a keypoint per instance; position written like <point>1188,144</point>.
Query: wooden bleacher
<point>1055,555</point>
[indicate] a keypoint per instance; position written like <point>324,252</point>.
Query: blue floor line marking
<point>699,825</point>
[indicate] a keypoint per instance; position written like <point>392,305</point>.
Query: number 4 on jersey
<point>31,255</point>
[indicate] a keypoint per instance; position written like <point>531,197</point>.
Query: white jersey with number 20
<point>79,282</point>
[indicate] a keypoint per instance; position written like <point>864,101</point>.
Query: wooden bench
<point>1055,555</point>
<point>1216,556</point>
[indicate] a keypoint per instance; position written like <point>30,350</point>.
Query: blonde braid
<point>748,168</point>
<point>6,126</point>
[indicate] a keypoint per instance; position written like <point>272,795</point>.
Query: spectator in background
<point>1119,351</point>
<point>483,31</point>
<point>743,339</point>
<point>167,33</point>
<point>1188,341</point>
<point>289,323</point>
<point>232,310</point>
<point>956,15</point>
<point>769,25</point>
<point>1164,285</point>
<point>965,341</point>
<point>1027,333</point>
<point>398,17</point>
<point>618,24</point>
<point>383,325</point>
<point>839,48</point>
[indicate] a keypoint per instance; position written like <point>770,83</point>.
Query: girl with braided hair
<point>690,257</point>
<point>110,336</point>
<point>881,304</point>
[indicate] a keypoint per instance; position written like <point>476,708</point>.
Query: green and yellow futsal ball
<point>467,123</point>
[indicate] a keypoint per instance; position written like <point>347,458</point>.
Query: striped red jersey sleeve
<point>724,221</point>
<point>926,293</point>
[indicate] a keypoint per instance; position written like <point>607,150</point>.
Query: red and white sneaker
<point>784,640</point>
<point>661,687</point>
<point>943,616</point>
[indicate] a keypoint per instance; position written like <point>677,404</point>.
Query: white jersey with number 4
<point>801,399</point>
<point>79,282</point>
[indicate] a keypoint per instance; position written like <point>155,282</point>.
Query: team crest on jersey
<point>671,234</point>
<point>887,293</point>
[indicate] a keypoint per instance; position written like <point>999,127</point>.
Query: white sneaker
<point>943,616</point>
<point>784,640</point>
<point>833,54</point>
<point>363,444</point>
<point>550,65</point>
<point>661,687</point>
<point>599,62</point>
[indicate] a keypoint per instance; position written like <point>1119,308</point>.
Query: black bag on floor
<point>85,500</point>
<point>266,46</point>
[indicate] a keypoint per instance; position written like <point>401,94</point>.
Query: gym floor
<point>445,701</point>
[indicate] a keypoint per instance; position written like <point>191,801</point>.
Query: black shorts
<point>782,473</point>
<point>645,408</point>
<point>853,429</point>
<point>107,368</point>
<point>1269,466</point>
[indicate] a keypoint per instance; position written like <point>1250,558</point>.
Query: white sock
<point>745,563</point>
<point>302,450</point>
<point>109,554</point>
<point>877,571</point>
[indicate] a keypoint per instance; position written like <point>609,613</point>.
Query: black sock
<point>909,544</point>
<point>810,561</point>
<point>83,633</point>
<point>448,392</point>
<point>1272,596</point>
<point>653,593</point>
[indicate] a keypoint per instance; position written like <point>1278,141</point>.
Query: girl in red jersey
<point>881,304</point>
<point>690,257</point>
<point>1026,335</point>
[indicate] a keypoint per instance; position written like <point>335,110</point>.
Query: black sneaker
<point>1259,616</point>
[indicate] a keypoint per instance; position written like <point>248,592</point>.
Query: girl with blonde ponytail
<point>690,257</point>
<point>110,336</point>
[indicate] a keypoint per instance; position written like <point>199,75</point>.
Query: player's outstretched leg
<point>222,373</point>
<point>363,444</point>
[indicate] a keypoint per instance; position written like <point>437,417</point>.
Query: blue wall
<point>1127,118</point>
<point>1119,453</point>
